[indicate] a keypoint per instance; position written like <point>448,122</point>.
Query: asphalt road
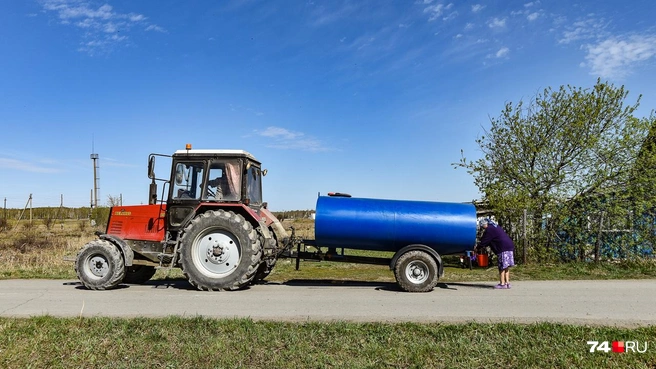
<point>621,303</point>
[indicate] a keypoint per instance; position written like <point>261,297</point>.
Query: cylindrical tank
<point>389,225</point>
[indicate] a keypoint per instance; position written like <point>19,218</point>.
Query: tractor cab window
<point>224,181</point>
<point>254,185</point>
<point>187,181</point>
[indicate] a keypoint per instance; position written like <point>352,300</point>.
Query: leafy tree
<point>564,153</point>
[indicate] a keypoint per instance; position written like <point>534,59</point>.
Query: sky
<point>375,98</point>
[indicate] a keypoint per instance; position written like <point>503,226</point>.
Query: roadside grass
<point>196,342</point>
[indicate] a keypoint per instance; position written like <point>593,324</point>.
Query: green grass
<point>47,342</point>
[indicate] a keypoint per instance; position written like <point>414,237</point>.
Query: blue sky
<point>375,98</point>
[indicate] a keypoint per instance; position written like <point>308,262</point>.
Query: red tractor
<point>213,225</point>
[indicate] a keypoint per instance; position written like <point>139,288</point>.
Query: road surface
<point>627,303</point>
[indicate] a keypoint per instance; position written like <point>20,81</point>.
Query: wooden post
<point>525,237</point>
<point>599,234</point>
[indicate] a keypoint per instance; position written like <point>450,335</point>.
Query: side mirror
<point>151,167</point>
<point>264,172</point>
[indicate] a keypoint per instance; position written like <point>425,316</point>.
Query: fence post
<point>524,237</point>
<point>598,243</point>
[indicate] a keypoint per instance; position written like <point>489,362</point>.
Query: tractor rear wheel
<point>416,271</point>
<point>99,265</point>
<point>138,274</point>
<point>220,250</point>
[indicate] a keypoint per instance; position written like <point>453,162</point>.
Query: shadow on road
<point>180,284</point>
<point>379,286</point>
<point>472,285</point>
<point>183,284</point>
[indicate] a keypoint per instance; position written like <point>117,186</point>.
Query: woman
<point>501,244</point>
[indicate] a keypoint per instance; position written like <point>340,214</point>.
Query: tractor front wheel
<point>220,250</point>
<point>99,265</point>
<point>416,271</point>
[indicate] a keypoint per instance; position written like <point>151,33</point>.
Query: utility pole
<point>94,201</point>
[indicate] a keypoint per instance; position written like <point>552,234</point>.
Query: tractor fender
<point>429,250</point>
<point>264,229</point>
<point>127,252</point>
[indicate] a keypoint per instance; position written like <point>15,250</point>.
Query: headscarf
<point>487,221</point>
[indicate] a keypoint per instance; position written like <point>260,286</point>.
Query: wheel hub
<point>216,253</point>
<point>417,272</point>
<point>98,266</point>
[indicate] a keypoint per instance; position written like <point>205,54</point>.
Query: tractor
<point>209,220</point>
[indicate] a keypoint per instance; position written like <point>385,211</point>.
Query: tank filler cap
<point>338,194</point>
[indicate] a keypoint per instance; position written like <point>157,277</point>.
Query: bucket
<point>481,259</point>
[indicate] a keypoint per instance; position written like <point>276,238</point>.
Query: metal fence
<point>586,236</point>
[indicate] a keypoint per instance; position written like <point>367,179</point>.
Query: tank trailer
<point>210,220</point>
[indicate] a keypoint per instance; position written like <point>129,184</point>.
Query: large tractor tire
<point>100,265</point>
<point>220,251</point>
<point>416,271</point>
<point>139,274</point>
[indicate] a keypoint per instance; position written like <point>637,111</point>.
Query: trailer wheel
<point>99,265</point>
<point>138,274</point>
<point>220,250</point>
<point>416,271</point>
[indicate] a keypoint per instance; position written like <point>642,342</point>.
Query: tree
<point>559,152</point>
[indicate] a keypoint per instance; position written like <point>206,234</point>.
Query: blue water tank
<point>389,225</point>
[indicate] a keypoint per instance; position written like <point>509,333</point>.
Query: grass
<point>48,342</point>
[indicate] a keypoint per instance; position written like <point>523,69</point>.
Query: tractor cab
<point>210,178</point>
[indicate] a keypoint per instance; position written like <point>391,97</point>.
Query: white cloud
<point>14,164</point>
<point>497,23</point>
<point>586,29</point>
<point>502,52</point>
<point>477,8</point>
<point>100,25</point>
<point>282,138</point>
<point>278,132</point>
<point>614,57</point>
<point>450,16</point>
<point>469,26</point>
<point>533,16</point>
<point>153,27</point>
<point>436,11</point>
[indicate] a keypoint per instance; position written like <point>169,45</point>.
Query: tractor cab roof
<point>215,153</point>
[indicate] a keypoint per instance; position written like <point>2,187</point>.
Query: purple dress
<point>500,243</point>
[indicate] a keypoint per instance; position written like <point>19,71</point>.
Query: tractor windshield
<point>224,180</point>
